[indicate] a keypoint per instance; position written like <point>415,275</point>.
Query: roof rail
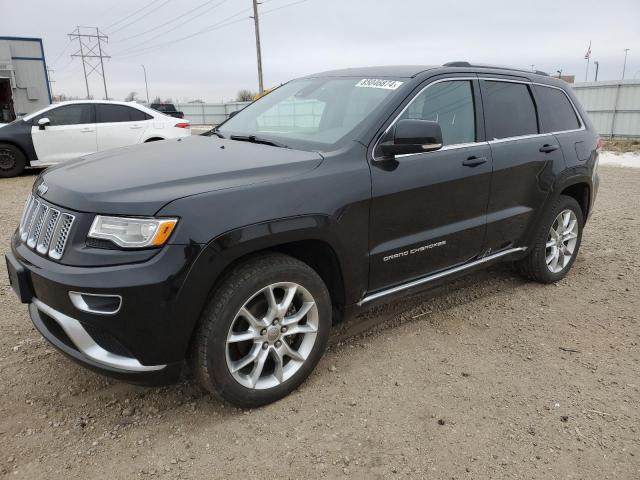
<point>478,65</point>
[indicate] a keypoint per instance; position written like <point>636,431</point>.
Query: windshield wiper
<point>213,131</point>
<point>254,139</point>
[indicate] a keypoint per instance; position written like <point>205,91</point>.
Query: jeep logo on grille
<point>42,189</point>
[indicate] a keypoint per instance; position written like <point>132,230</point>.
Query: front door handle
<point>88,130</point>
<point>135,127</point>
<point>546,148</point>
<point>474,161</point>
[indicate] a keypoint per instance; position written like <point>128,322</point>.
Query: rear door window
<point>509,109</point>
<point>556,111</point>
<point>119,113</point>
<point>450,104</point>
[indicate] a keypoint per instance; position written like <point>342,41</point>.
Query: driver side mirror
<point>43,123</point>
<point>233,114</point>
<point>413,136</point>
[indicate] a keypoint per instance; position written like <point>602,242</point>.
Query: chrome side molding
<point>436,276</point>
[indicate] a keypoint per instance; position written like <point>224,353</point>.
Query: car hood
<point>141,179</point>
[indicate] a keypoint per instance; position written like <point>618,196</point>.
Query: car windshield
<point>311,114</point>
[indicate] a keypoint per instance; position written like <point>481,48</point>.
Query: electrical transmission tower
<point>91,53</point>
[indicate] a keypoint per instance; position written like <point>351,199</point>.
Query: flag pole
<point>586,73</point>
<point>588,57</point>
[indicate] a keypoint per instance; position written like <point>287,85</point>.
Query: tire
<point>12,161</point>
<point>270,336</point>
<point>536,266</point>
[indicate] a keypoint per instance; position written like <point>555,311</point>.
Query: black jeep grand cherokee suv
<point>236,250</point>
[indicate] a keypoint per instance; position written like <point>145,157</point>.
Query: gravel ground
<point>490,377</point>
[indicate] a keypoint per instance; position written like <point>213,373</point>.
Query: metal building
<point>24,81</point>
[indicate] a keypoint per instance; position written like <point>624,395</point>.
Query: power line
<point>133,52</point>
<point>193,10</point>
<point>130,15</point>
<point>283,6</point>
<point>215,26</point>
<point>122,27</point>
<point>64,50</point>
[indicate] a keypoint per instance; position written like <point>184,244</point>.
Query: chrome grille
<point>44,228</point>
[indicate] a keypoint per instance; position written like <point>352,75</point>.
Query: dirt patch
<point>490,377</point>
<point>622,146</point>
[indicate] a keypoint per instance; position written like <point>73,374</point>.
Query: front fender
<point>209,268</point>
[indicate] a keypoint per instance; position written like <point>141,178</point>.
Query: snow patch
<point>628,159</point>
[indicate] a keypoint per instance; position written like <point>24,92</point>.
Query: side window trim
<point>573,106</point>
<point>477,105</point>
<point>481,139</point>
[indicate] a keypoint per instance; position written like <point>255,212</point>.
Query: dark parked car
<point>167,109</point>
<point>237,251</point>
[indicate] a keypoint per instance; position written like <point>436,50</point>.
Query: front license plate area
<point>19,279</point>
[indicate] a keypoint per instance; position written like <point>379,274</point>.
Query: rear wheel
<point>263,332</point>
<point>557,243</point>
<point>12,161</point>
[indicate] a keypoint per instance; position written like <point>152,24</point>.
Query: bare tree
<point>157,100</point>
<point>131,97</point>
<point>245,95</point>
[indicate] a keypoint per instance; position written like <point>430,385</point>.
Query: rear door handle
<point>474,161</point>
<point>88,130</point>
<point>546,148</point>
<point>134,127</point>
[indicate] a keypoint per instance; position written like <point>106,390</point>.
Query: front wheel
<point>264,331</point>
<point>12,161</point>
<point>556,244</point>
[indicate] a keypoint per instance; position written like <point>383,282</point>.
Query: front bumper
<point>69,336</point>
<point>145,341</point>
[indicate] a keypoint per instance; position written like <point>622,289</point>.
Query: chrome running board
<point>87,345</point>
<point>436,276</point>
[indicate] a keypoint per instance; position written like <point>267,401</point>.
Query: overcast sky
<point>302,37</point>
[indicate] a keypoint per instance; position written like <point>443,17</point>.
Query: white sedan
<point>69,130</point>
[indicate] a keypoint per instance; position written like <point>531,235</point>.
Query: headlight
<point>133,232</point>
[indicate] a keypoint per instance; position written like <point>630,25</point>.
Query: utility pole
<point>532,67</point>
<point>146,85</point>
<point>256,22</point>
<point>51,82</point>
<point>624,66</point>
<point>597,64</point>
<point>91,49</point>
<point>559,73</point>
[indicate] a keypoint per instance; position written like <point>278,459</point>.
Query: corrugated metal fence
<point>209,113</point>
<point>614,107</point>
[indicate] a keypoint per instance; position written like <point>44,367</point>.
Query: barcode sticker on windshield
<point>378,83</point>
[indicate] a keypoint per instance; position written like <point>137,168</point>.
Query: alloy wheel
<point>562,240</point>
<point>272,335</point>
